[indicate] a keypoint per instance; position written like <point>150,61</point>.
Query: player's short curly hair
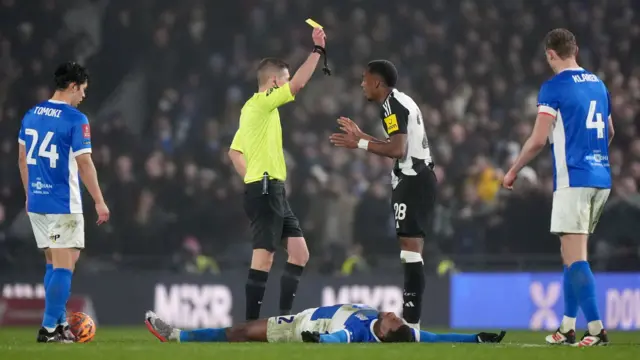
<point>70,73</point>
<point>562,41</point>
<point>402,334</point>
<point>385,69</point>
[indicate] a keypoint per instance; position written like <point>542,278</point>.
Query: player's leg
<point>266,213</point>
<point>574,214</point>
<point>67,238</point>
<point>298,257</point>
<point>413,201</point>
<point>48,268</point>
<point>252,331</point>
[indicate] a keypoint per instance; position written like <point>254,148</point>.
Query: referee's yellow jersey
<point>259,136</point>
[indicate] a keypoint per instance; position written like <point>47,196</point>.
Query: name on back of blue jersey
<point>579,78</point>
<point>39,110</point>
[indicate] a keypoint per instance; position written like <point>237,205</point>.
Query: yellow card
<point>313,24</point>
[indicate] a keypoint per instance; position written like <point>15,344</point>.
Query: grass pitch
<point>136,343</point>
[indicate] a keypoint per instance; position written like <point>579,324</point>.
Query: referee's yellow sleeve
<point>276,97</point>
<point>236,144</point>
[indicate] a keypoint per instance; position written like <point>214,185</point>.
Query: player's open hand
<point>509,179</point>
<point>349,141</point>
<point>318,36</point>
<point>310,337</point>
<point>103,213</point>
<point>348,126</point>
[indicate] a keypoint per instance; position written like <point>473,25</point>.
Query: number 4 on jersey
<point>51,154</point>
<point>598,124</point>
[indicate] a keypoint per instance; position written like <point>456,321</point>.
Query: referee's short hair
<point>385,69</point>
<point>268,65</point>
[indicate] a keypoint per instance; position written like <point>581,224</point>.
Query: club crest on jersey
<point>392,123</point>
<point>86,131</point>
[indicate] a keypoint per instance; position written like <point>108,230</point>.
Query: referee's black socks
<point>414,283</point>
<point>289,286</point>
<point>254,291</point>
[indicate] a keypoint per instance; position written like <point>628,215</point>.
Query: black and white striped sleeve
<point>395,117</point>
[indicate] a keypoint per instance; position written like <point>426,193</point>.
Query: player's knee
<point>298,251</point>
<point>237,333</point>
<point>410,257</point>
<point>574,248</point>
<point>262,260</point>
<point>411,244</point>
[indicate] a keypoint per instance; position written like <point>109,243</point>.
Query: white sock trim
<point>567,324</point>
<point>595,327</point>
<point>410,257</point>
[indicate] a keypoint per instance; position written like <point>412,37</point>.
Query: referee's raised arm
<point>257,155</point>
<point>302,76</point>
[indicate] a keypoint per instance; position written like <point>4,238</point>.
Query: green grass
<point>136,343</point>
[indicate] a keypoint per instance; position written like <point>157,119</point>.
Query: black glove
<point>484,337</point>
<point>311,337</point>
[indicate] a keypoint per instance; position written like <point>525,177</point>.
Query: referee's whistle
<point>265,183</point>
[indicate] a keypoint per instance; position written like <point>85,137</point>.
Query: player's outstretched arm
<point>89,177</point>
<point>305,71</point>
<point>428,337</point>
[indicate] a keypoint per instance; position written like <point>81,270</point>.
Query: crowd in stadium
<point>474,67</point>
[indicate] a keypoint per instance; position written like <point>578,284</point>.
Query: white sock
<point>64,324</point>
<point>175,335</point>
<point>595,327</point>
<point>50,330</point>
<point>567,324</point>
<point>414,326</point>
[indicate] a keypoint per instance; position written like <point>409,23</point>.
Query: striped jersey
<point>401,115</point>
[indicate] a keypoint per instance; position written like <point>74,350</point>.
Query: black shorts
<point>413,201</point>
<point>272,220</point>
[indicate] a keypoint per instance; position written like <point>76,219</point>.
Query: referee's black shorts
<point>413,200</point>
<point>272,220</point>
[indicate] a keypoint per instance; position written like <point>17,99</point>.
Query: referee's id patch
<point>392,123</point>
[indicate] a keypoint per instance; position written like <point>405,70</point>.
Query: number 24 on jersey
<point>45,150</point>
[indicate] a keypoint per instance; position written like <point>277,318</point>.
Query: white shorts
<point>289,328</point>
<point>58,231</point>
<point>577,210</point>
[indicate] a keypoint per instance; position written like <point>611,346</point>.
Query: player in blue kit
<point>572,108</point>
<point>54,154</point>
<point>345,323</point>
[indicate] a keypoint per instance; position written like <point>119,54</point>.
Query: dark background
<point>169,79</point>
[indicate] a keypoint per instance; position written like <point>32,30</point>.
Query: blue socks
<point>584,289</point>
<point>47,276</point>
<point>204,335</point>
<point>56,296</point>
<point>428,337</point>
<point>570,300</point>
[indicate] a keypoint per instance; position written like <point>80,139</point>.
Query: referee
<point>257,155</point>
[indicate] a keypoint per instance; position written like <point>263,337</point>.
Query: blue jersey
<point>354,322</point>
<point>580,103</point>
<point>54,133</point>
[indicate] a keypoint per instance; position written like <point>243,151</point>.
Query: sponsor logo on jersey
<point>392,123</point>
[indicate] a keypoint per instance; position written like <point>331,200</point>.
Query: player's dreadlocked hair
<point>402,334</point>
<point>70,73</point>
<point>385,69</point>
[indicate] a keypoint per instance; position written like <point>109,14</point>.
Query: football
<point>82,326</point>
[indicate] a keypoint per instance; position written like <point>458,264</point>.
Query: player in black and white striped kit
<point>413,179</point>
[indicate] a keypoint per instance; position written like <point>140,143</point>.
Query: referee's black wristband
<point>323,52</point>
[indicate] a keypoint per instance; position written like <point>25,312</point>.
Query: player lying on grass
<point>328,324</point>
